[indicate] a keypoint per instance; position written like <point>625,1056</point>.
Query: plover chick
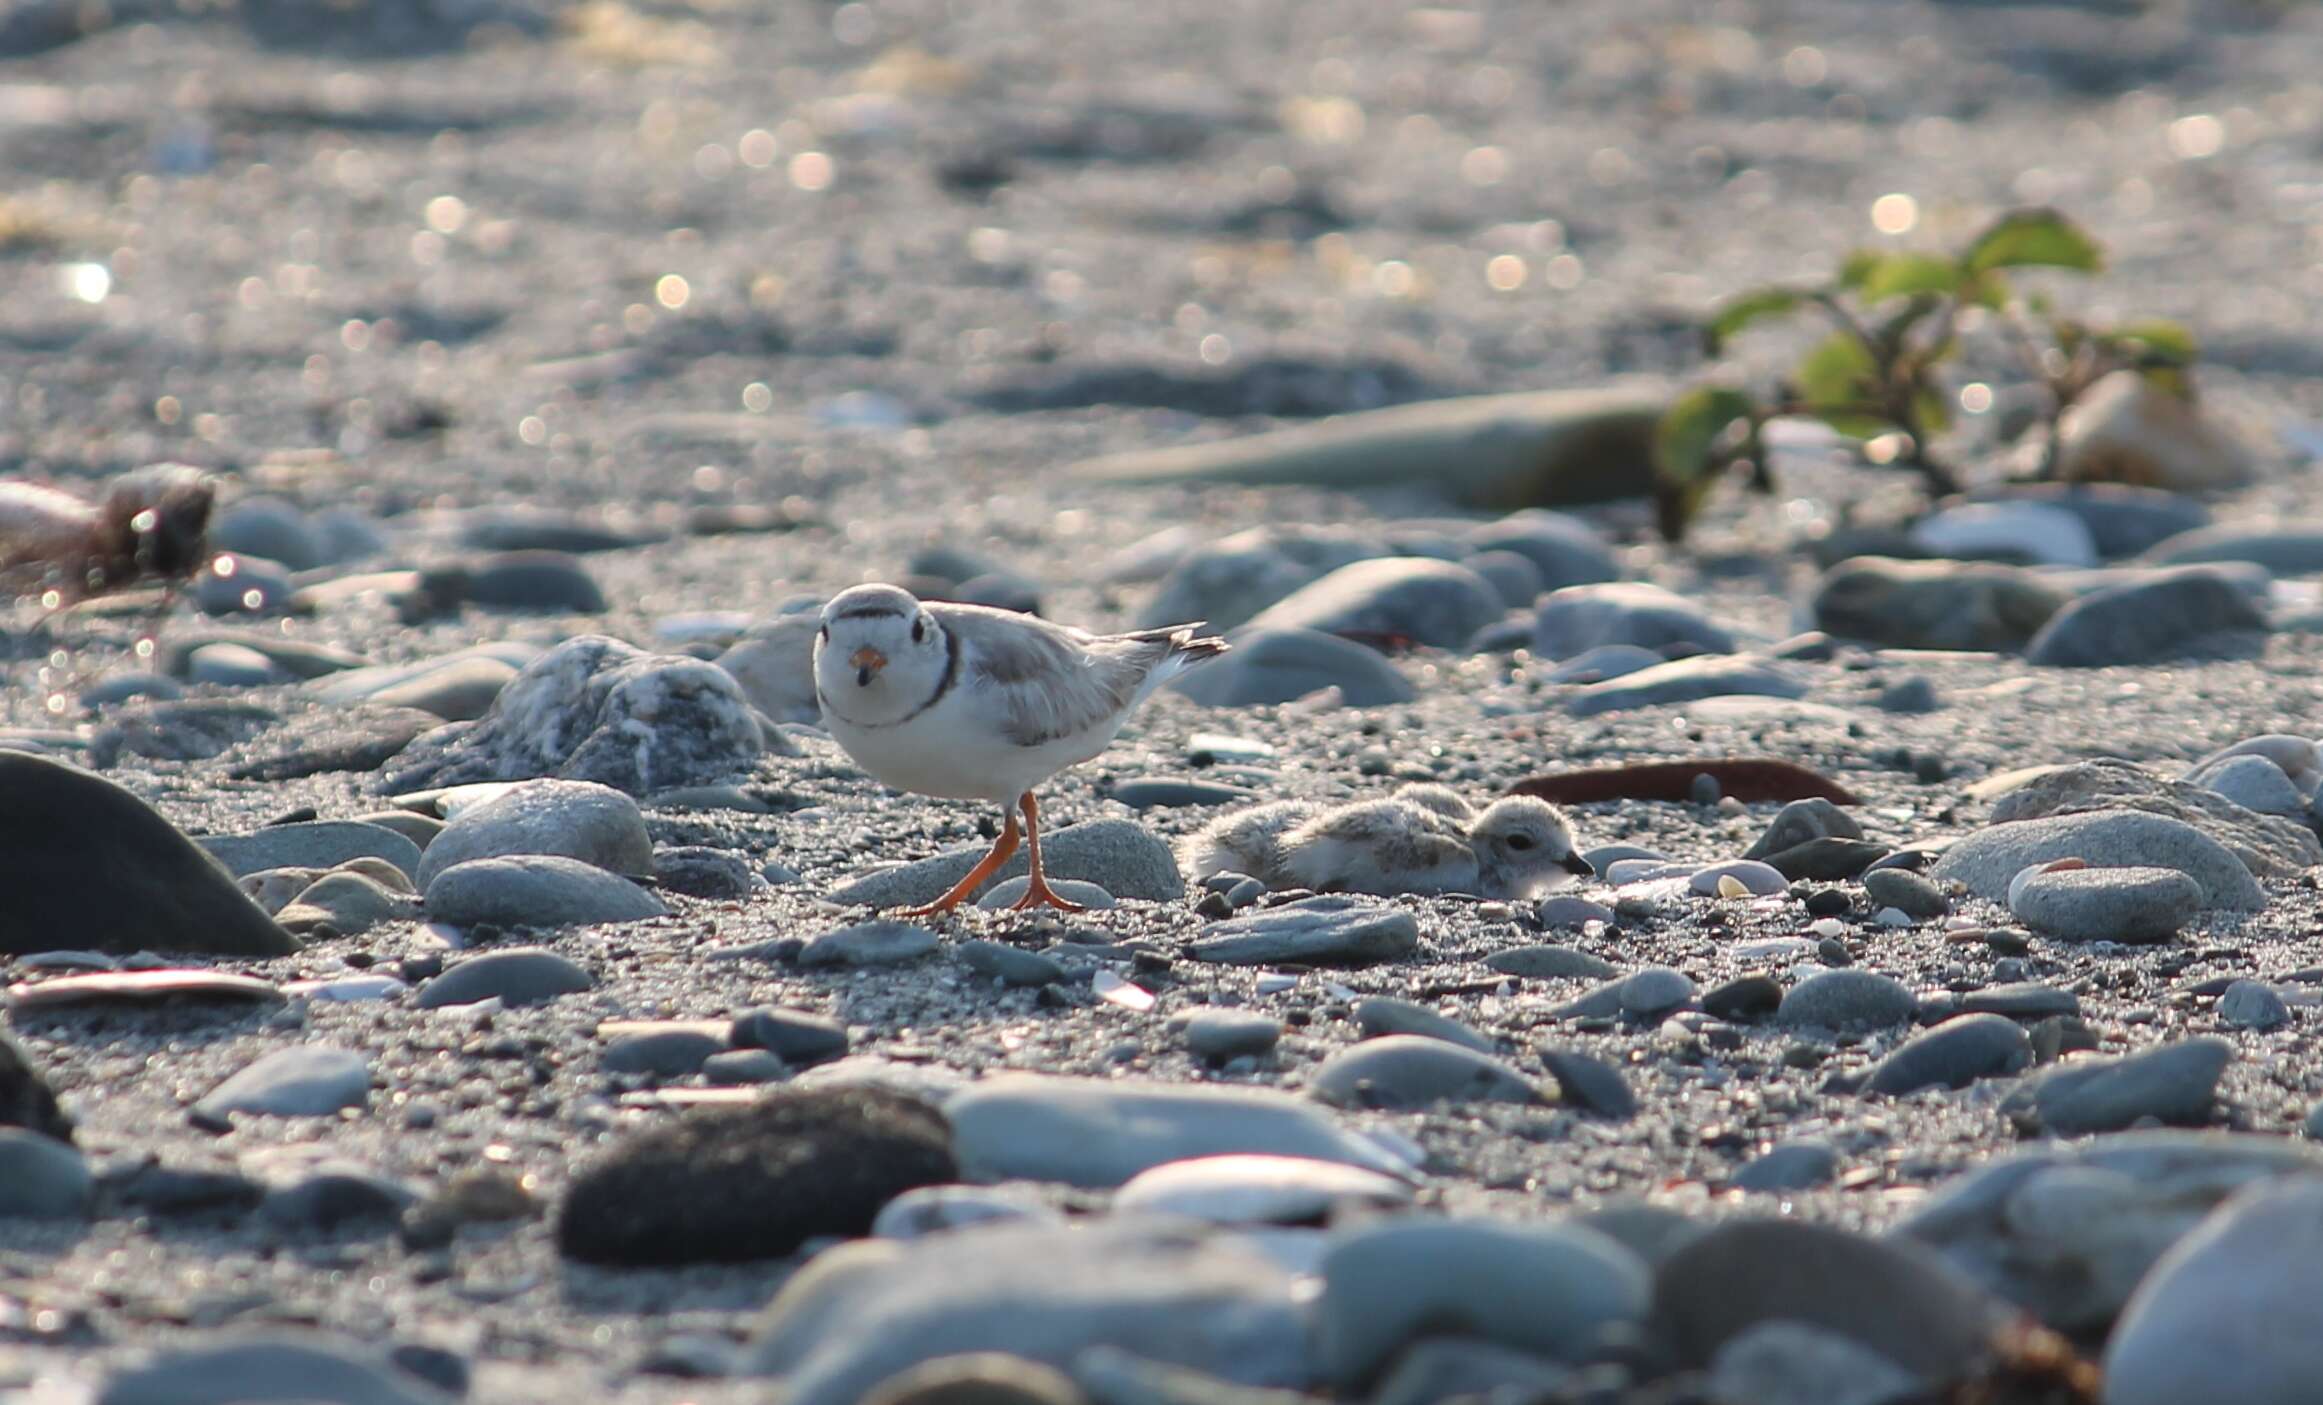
<point>968,703</point>
<point>1406,843</point>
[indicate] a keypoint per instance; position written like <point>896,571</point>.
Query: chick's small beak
<point>1578,866</point>
<point>867,661</point>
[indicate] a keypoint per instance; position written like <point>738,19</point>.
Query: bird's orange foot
<point>1040,894</point>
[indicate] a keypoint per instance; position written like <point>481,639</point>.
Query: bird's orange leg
<point>985,867</point>
<point>1038,893</point>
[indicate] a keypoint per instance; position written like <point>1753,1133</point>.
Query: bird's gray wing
<point>1040,682</point>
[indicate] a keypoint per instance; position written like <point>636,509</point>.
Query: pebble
<point>458,688</point>
<point>311,1191</point>
<point>2283,549</point>
<point>2025,1000</point>
<point>319,844</point>
<point>348,903</point>
<point>1986,861</point>
<point>1218,1035</point>
<point>1274,666</point>
<point>2253,1005</point>
<point>2106,904</point>
<point>2229,1313</point>
<point>1744,998</point>
<point>722,1185</point>
<point>1380,1015</point>
<point>1227,580</point>
<point>742,1068</point>
<point>1803,820</point>
<point>1549,963</point>
<point>2172,1084</point>
<point>2254,783</point>
<point>1435,604</point>
<point>774,664</point>
<point>1330,930</point>
<point>227,665</point>
<point>1160,1290</point>
<point>1789,1166</point>
<point>1589,1083</point>
<point>312,1080</point>
<point>1437,1369</point>
<point>1237,1190</point>
<point>1004,894</point>
<point>1915,693</point>
<point>798,1037</point>
<point>1655,991</point>
<point>1170,793</point>
<point>1011,966</point>
<point>596,709</point>
<point>1564,910</point>
<point>938,1209</point>
<point>1793,1363</point>
<point>595,824</point>
<point>1907,892</point>
<point>1757,879</point>
<point>879,942</point>
<point>2271,847</point>
<point>1575,619</point>
<point>1564,549</point>
<point>2035,533</point>
<point>81,855</point>
<point>2123,520</point>
<point>1119,855</point>
<point>271,527</point>
<point>1950,605</point>
<point>42,1178</point>
<point>1403,1072</point>
<point>2168,610</point>
<point>1954,1054</point>
<point>1846,1000</point>
<point>274,1367</point>
<point>537,891</point>
<point>125,687</point>
<point>1828,860</point>
<point>238,583</point>
<point>662,1048</point>
<point>1099,1133</point>
<point>1688,680</point>
<point>1603,662</point>
<point>1552,1291</point>
<point>535,579</point>
<point>700,871</point>
<point>514,975</point>
<point>1512,576</point>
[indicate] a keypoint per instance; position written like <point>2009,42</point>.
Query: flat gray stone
<point>2229,1313</point>
<point>1548,963</point>
<point>1007,891</point>
<point>879,942</point>
<point>2176,608</point>
<point>1548,1290</point>
<point>1099,1133</point>
<point>1385,1014</point>
<point>1906,892</point>
<point>1564,549</point>
<point>1688,680</point>
<point>1331,930</point>
<point>2270,846</point>
<point>1257,1190</point>
<point>800,1037</point>
<point>2106,904</point>
<point>2290,549</point>
<point>2123,519</point>
<point>312,1080</point>
<point>312,844</point>
<point>674,1049</point>
<point>1954,1054</point>
<point>1219,1035</point>
<point>1758,879</point>
<point>1792,1363</point>
<point>1589,1083</point>
<point>1985,862</point>
<point>1402,1072</point>
<point>518,975</point>
<point>1565,910</point>
<point>2254,783</point>
<point>1654,991</point>
<point>596,824</point>
<point>1847,999</point>
<point>42,1178</point>
<point>2173,1084</point>
<point>1171,793</point>
<point>1578,618</point>
<point>1008,964</point>
<point>273,1368</point>
<point>1283,665</point>
<point>1788,1166</point>
<point>1436,604</point>
<point>1230,580</point>
<point>1121,856</point>
<point>2023,1000</point>
<point>2253,1005</point>
<point>536,890</point>
<point>1935,604</point>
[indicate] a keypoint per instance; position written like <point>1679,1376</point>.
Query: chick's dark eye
<point>1520,841</point>
<point>919,631</point>
<point>824,634</point>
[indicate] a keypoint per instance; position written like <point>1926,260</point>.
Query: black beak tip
<point>863,678</point>
<point>1579,867</point>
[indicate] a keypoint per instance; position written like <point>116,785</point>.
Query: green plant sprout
<point>1879,375</point>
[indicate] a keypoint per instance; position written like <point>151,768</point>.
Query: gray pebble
<point>1987,861</point>
<point>1564,910</point>
<point>312,1080</point>
<point>1385,1014</point>
<point>42,1178</point>
<point>1005,893</point>
<point>799,1037</point>
<point>515,975</point>
<point>534,580</point>
<point>1846,1000</point>
<point>1793,1165</point>
<point>2021,1001</point>
<point>1800,821</point>
<point>272,1368</point>
<point>1744,998</point>
<point>1330,930</point>
<point>595,824</point>
<point>1954,1054</point>
<point>1589,1083</point>
<point>2253,1005</point>
<point>1907,892</point>
<point>2172,1084</point>
<point>535,890</point>
<point>1915,693</point>
<point>1655,991</point>
<point>1218,1035</point>
<point>1549,963</point>
<point>879,942</point>
<point>1160,792</point>
<point>743,1067</point>
<point>1762,880</point>
<point>1404,1072</point>
<point>699,871</point>
<point>673,1052</point>
<point>317,844</point>
<point>1007,964</point>
<point>2106,904</point>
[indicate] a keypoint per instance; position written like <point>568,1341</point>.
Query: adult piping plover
<point>967,703</point>
<point>1422,839</point>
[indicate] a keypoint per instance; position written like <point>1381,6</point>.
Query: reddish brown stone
<point>1748,779</point>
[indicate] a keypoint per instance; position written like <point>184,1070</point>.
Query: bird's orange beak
<point>866,661</point>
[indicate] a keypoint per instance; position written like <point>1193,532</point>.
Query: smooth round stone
<point>1332,930</point>
<point>798,1037</point>
<point>1789,1166</point>
<point>699,871</point>
<point>1847,999</point>
<point>1257,1190</point>
<point>1792,1363</point>
<point>238,584</point>
<point>1761,880</point>
<point>1628,871</point>
<point>1008,964</point>
<point>1604,662</point>
<point>1954,1054</point>
<point>1589,1083</point>
<point>595,824</point>
<point>1743,998</point>
<point>459,689</point>
<point>535,890</point>
<point>42,1178</point>
<point>346,902</point>
<point>1159,792</point>
<point>1576,619</point>
<point>2254,783</point>
<point>1436,604</point>
<point>2174,1084</point>
<point>1803,820</point>
<point>1934,604</point>
<point>1282,665</point>
<point>2230,1312</point>
<point>1656,990</point>
<point>1379,1015</point>
<point>1403,1072</point>
<point>273,1368</point>
<point>742,1068</point>
<point>1563,548</point>
<point>1512,576</point>
<point>1906,892</point>
<point>1987,861</point>
<point>1605,856</point>
<point>1688,680</point>
<point>269,527</point>
<point>1551,1290</point>
<point>2107,904</point>
<point>879,942</point>
<point>534,580</point>
<point>320,844</point>
<point>1541,962</point>
<point>2159,613</point>
<point>935,1209</point>
<point>312,1080</point>
<point>515,976</point>
<point>1130,861</point>
<point>674,1052</point>
<point>2035,533</point>
<point>2253,1005</point>
<point>1219,1035</point>
<point>122,687</point>
<point>2025,1000</point>
<point>1564,911</point>
<point>1007,892</point>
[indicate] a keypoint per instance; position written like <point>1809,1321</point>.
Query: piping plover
<point>1422,839</point>
<point>967,703</point>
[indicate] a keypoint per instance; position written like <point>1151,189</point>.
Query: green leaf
<point>1933,408</point>
<point>1907,275</point>
<point>1739,311</point>
<point>1686,461</point>
<point>2161,340</point>
<point>2033,239</point>
<point>1837,371</point>
<point>1987,290</point>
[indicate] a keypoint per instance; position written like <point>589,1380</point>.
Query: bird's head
<point>879,653</point>
<point>1525,845</point>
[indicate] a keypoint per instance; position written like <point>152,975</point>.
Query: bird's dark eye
<point>919,630</point>
<point>1520,841</point>
<point>824,634</point>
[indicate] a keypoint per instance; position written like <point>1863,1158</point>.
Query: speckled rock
<point>2227,1313</point>
<point>1579,618</point>
<point>595,824</point>
<point>2106,904</point>
<point>1987,860</point>
<point>1953,1055</point>
<point>1121,856</point>
<point>536,890</point>
<point>1404,1071</point>
<point>2173,1084</point>
<point>1846,1000</point>
<point>1437,604</point>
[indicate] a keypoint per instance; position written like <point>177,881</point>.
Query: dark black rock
<point>1590,1084</point>
<point>1744,998</point>
<point>800,1037</point>
<point>85,863</point>
<point>1827,860</point>
<point>699,871</point>
<point>721,1185</point>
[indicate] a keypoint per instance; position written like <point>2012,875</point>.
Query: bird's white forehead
<point>871,602</point>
